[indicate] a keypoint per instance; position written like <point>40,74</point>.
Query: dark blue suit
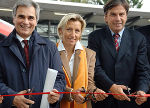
<point>15,77</point>
<point>145,30</point>
<point>128,67</point>
<point>2,37</point>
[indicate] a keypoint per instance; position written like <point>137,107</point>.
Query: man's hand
<point>140,100</point>
<point>53,97</point>
<point>100,97</point>
<point>1,99</point>
<point>118,89</point>
<point>77,96</point>
<point>21,101</point>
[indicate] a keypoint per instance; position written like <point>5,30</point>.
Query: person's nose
<point>118,17</point>
<point>73,33</point>
<point>26,21</point>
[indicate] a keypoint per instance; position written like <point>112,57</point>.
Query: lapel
<point>10,42</point>
<point>36,47</point>
<point>37,43</point>
<point>15,50</point>
<point>109,43</point>
<point>65,63</point>
<point>124,45</point>
<point>76,64</point>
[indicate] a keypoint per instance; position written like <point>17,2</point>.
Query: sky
<point>146,5</point>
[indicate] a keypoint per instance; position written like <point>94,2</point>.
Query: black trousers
<point>111,102</point>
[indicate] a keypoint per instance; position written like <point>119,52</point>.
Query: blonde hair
<point>70,17</point>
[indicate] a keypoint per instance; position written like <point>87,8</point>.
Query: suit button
<point>23,70</point>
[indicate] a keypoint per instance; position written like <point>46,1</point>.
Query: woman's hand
<point>77,97</point>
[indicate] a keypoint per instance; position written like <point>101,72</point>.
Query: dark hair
<point>113,3</point>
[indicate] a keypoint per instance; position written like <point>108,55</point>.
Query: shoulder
<point>144,30</point>
<point>43,40</point>
<point>98,31</point>
<point>45,43</point>
<point>90,56</point>
<point>2,37</point>
<point>98,34</point>
<point>134,34</point>
<point>90,52</point>
<point>48,42</point>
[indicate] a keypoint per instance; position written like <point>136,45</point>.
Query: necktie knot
<point>116,36</point>
<point>25,42</point>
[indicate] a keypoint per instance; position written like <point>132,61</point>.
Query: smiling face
<point>25,21</point>
<point>71,33</point>
<point>116,18</point>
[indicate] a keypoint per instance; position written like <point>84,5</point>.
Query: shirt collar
<point>120,33</point>
<point>62,48</point>
<point>21,39</point>
<point>78,46</point>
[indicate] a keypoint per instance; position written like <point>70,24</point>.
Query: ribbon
<point>40,93</point>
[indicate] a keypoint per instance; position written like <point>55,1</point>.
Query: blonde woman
<point>78,62</point>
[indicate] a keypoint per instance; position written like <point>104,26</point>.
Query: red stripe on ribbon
<point>146,95</point>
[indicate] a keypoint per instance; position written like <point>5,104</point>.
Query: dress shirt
<point>21,40</point>
<point>78,46</point>
<point>120,35</point>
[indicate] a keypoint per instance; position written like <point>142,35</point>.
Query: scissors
<point>128,92</point>
<point>30,96</point>
<point>89,96</point>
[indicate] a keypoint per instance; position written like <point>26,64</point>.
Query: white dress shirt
<point>71,61</point>
<point>21,40</point>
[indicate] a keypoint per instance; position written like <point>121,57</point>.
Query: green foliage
<point>133,3</point>
<point>136,3</point>
<point>78,1</point>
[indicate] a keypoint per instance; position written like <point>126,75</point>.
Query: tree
<point>136,3</point>
<point>133,3</point>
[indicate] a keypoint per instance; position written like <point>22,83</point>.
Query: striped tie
<point>116,36</point>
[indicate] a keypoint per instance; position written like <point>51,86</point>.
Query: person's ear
<point>14,20</point>
<point>60,32</point>
<point>105,18</point>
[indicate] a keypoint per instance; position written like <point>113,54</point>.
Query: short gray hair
<point>70,17</point>
<point>26,3</point>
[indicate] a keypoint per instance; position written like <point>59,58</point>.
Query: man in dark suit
<point>25,57</point>
<point>121,59</point>
<point>145,30</point>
